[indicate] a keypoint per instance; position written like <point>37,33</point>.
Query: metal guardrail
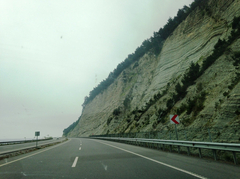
<point>21,141</point>
<point>199,145</point>
<point>201,134</point>
<point>32,147</point>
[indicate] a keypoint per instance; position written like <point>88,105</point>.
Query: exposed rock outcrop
<point>192,41</point>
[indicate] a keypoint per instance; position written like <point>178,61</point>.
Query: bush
<point>199,87</point>
<point>136,117</point>
<point>109,120</point>
<point>199,103</point>
<point>181,109</point>
<point>116,111</point>
<point>190,105</point>
<point>181,92</point>
<point>236,59</point>
<point>146,121</point>
<point>188,79</point>
<point>225,93</point>
<point>170,103</point>
<point>191,75</point>
<point>71,127</point>
<point>195,105</point>
<point>236,22</point>
<point>237,112</point>
<point>155,123</point>
<point>127,102</point>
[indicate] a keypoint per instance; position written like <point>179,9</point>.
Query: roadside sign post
<point>37,133</point>
<point>176,131</point>
<point>174,119</point>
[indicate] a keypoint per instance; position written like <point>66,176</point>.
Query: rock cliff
<point>131,103</point>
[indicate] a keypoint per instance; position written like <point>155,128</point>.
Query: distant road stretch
<point>12,147</point>
<point>97,159</point>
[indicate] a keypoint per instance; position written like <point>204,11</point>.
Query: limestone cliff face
<point>192,41</point>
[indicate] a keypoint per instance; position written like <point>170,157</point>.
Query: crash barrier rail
<point>201,134</point>
<point>199,145</point>
<point>31,147</point>
<point>22,141</point>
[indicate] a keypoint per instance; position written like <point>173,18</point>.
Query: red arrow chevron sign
<point>174,119</point>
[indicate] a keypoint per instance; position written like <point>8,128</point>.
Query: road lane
<point>8,148</point>
<point>203,167</point>
<point>156,161</point>
<point>104,159</point>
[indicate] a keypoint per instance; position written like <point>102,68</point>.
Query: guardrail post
<point>186,140</point>
<point>177,139</point>
<point>234,157</point>
<point>147,144</point>
<point>176,131</point>
<point>200,152</point>
<point>149,136</point>
<point>214,154</point>
<point>185,134</point>
<point>36,142</point>
<point>178,149</point>
<point>170,145</point>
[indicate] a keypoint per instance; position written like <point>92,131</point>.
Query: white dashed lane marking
<point>75,162</point>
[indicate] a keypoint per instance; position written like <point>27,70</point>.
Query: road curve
<point>90,158</point>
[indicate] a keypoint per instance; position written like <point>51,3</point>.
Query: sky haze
<point>54,52</point>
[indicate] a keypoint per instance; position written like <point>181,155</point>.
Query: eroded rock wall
<point>192,41</point>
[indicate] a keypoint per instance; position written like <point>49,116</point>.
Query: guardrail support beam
<point>188,150</point>
<point>200,152</point>
<point>234,158</point>
<point>214,154</point>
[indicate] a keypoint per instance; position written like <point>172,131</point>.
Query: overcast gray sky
<point>54,52</point>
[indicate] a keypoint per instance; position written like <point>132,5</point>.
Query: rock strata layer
<point>192,41</point>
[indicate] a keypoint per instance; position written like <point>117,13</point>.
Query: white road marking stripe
<point>75,162</point>
<point>34,153</point>
<point>167,165</point>
<point>79,148</point>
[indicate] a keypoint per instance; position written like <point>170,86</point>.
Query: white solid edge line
<point>34,153</point>
<point>75,162</point>
<point>167,165</point>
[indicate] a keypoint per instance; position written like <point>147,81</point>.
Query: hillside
<point>196,75</point>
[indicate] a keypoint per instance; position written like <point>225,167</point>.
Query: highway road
<point>97,159</point>
<point>13,147</point>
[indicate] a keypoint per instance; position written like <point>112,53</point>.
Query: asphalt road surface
<point>97,159</point>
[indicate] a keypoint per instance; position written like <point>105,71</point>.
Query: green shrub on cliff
<point>152,45</point>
